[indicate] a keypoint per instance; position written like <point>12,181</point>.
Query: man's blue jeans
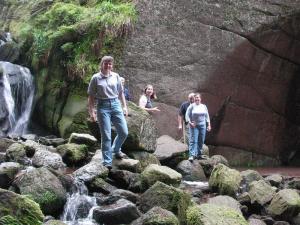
<point>109,111</point>
<point>197,137</point>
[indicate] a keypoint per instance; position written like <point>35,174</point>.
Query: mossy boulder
<point>145,158</point>
<point>17,209</point>
<point>16,153</point>
<point>261,192</point>
<point>166,197</point>
<point>73,154</point>
<point>43,187</point>
<point>128,164</point>
<point>224,200</point>
<point>164,174</point>
<point>157,216</point>
<point>285,204</point>
<point>208,214</point>
<point>224,180</point>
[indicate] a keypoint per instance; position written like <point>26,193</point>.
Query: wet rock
<point>43,187</point>
<point>145,158</point>
<point>253,221</point>
<point>128,164</point>
<point>124,178</point>
<point>223,200</point>
<point>209,164</point>
<point>130,196</point>
<point>166,197</point>
<point>100,185</point>
<point>91,171</point>
<point>17,153</point>
<point>164,174</point>
<point>5,143</point>
<point>52,141</point>
<point>274,179</point>
<point>191,171</point>
<point>157,215</point>
<point>47,158</point>
<point>206,214</point>
<point>294,183</point>
<point>224,180</point>
<point>249,176</point>
<point>85,139</point>
<point>285,204</point>
<point>32,137</point>
<point>169,151</point>
<point>261,192</point>
<point>120,212</point>
<point>8,170</point>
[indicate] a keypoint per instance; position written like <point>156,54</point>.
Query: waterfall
<point>18,92</point>
<point>79,207</point>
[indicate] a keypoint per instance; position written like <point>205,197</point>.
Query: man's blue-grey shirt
<point>102,87</point>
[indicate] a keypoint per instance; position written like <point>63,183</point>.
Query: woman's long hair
<point>153,95</point>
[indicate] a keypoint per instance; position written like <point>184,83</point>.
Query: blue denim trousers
<point>109,111</point>
<point>197,137</point>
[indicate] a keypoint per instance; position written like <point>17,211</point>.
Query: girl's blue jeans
<point>197,137</point>
<point>109,111</point>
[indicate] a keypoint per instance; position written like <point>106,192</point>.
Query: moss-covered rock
<point>208,214</point>
<point>260,192</point>
<point>44,188</point>
<point>285,204</point>
<point>73,154</point>
<point>16,152</point>
<point>164,174</point>
<point>224,180</point>
<point>8,170</point>
<point>19,209</point>
<point>157,216</point>
<point>166,197</point>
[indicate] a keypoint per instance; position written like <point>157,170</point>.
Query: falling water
<point>79,207</point>
<point>18,94</point>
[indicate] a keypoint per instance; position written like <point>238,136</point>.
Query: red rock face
<point>244,61</point>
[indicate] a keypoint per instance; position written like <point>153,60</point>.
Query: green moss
<point>213,214</point>
<point>9,220</point>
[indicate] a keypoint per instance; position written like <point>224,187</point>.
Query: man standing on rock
<point>182,124</point>
<point>107,91</point>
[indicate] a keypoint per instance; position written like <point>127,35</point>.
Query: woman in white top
<point>198,118</point>
<point>145,101</point>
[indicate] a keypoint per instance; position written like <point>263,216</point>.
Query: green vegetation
<point>78,35</point>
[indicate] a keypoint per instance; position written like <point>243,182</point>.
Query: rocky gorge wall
<point>241,55</point>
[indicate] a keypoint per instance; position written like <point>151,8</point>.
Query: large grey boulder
<point>157,215</point>
<point>166,197</point>
<point>164,174</point>
<point>207,214</point>
<point>43,187</point>
<point>168,149</point>
<point>120,212</point>
<point>285,204</point>
<point>224,180</point>
<point>47,158</point>
<point>274,179</point>
<point>208,164</point>
<point>85,139</point>
<point>191,171</point>
<point>261,192</point>
<point>223,200</point>
<point>128,164</point>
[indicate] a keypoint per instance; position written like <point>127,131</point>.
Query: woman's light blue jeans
<point>197,137</point>
<point>109,111</point>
